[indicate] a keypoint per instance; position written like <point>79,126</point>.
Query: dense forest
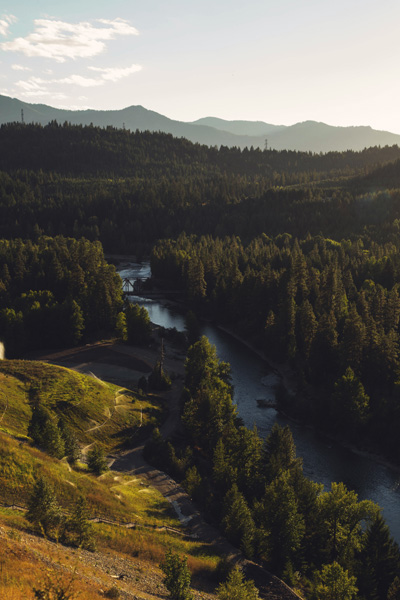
<point>54,292</point>
<point>330,309</point>
<point>296,252</point>
<point>128,190</point>
<point>256,491</point>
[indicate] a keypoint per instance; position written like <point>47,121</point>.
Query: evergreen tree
<point>334,583</point>
<point>379,560</point>
<point>176,576</point>
<point>224,474</point>
<point>44,431</point>
<point>71,445</point>
<point>236,588</point>
<point>350,402</point>
<point>96,460</point>
<point>237,521</point>
<point>78,531</point>
<point>279,452</point>
<point>280,524</point>
<point>43,510</point>
<point>192,483</point>
<point>121,328</point>
<point>339,524</point>
<point>138,324</point>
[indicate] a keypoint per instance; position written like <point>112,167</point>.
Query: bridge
<point>132,286</point>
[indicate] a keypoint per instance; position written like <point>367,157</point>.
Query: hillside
<point>129,517</point>
<point>131,511</point>
<point>84,403</point>
<point>308,136</point>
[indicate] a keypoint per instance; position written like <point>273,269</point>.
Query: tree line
<point>128,190</point>
<point>330,309</point>
<point>55,292</point>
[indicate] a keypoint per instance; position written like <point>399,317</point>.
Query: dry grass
<point>22,570</point>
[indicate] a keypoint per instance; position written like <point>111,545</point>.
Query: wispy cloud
<point>61,41</point>
<point>20,68</point>
<point>35,86</point>
<point>116,73</point>
<point>5,23</point>
<point>80,81</point>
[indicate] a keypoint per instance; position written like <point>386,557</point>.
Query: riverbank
<point>287,377</point>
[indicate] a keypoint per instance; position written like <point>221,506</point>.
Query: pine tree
<point>96,460</point>
<point>44,431</point>
<point>43,509</point>
<point>236,588</point>
<point>350,402</point>
<point>78,530</point>
<point>379,560</point>
<point>279,452</point>
<point>71,445</point>
<point>237,521</point>
<point>334,583</point>
<point>281,525</point>
<point>177,576</point>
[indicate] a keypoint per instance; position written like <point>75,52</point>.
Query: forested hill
<point>129,189</point>
<point>75,149</point>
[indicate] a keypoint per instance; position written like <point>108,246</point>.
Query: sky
<point>280,61</point>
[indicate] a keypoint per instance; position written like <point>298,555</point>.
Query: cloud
<point>116,73</point>
<point>60,41</point>
<point>35,86</point>
<point>5,23</point>
<point>20,68</point>
<point>81,81</point>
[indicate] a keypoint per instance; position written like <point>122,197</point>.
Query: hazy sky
<point>280,61</point>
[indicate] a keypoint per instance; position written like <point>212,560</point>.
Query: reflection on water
<point>324,461</point>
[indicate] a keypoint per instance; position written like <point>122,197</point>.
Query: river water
<point>323,461</point>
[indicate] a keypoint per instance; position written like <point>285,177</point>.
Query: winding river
<point>324,461</point>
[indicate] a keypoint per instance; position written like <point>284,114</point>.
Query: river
<point>323,461</point>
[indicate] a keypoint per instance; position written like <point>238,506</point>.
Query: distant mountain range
<point>308,136</point>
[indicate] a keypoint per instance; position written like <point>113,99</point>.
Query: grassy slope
<point>83,401</point>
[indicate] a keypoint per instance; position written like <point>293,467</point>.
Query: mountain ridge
<point>309,136</point>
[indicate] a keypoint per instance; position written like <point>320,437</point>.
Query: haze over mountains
<point>307,136</point>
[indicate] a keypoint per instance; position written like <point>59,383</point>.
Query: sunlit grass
<point>95,410</point>
<point>124,499</point>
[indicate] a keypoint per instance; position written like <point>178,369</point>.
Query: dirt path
<point>122,365</point>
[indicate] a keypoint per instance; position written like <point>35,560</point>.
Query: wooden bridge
<point>132,286</point>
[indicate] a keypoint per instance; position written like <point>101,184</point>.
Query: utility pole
<point>22,115</point>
